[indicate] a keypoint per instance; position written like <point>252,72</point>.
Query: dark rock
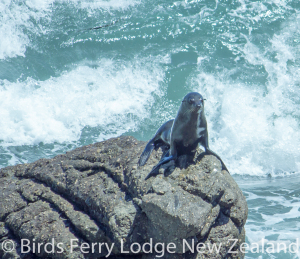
<point>94,201</point>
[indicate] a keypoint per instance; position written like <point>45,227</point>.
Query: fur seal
<point>181,135</point>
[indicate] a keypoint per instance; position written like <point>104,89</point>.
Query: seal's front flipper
<point>146,153</point>
<point>164,160</point>
<point>214,154</point>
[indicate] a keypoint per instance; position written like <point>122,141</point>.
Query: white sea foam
<point>15,16</point>
<point>256,129</point>
<point>113,96</point>
<point>18,18</point>
<point>112,4</point>
<point>274,228</point>
<point>273,214</point>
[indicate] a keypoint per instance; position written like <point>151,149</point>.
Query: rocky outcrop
<point>93,202</point>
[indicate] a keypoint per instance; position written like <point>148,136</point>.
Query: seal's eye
<point>191,100</point>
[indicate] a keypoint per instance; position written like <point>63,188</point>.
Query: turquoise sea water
<point>63,85</point>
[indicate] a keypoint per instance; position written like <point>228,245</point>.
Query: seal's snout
<point>199,104</point>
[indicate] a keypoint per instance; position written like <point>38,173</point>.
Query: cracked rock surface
<point>93,202</point>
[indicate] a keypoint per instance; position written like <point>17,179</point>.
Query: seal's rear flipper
<point>146,153</point>
<point>164,160</point>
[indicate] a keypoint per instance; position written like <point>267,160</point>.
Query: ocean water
<point>77,72</point>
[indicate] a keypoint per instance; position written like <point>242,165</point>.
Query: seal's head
<point>193,102</point>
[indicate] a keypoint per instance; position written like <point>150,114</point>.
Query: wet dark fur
<point>183,134</point>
